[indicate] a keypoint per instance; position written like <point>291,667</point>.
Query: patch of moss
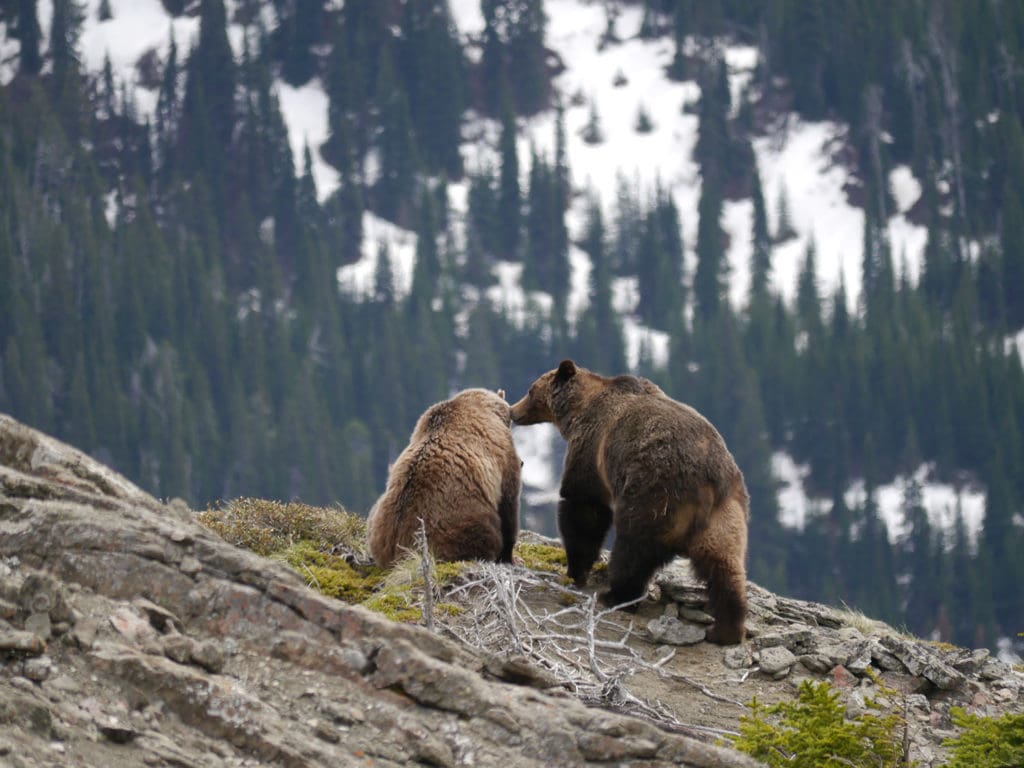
<point>449,609</point>
<point>396,606</point>
<point>942,646</point>
<point>446,574</point>
<point>331,575</point>
<point>542,557</point>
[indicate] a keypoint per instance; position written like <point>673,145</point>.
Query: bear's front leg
<point>583,525</point>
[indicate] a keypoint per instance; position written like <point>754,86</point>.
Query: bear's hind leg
<point>583,525</point>
<point>634,560</point>
<point>718,554</point>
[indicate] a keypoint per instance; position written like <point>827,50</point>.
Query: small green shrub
<point>986,742</point>
<point>813,732</point>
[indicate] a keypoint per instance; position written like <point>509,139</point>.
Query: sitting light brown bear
<point>460,473</point>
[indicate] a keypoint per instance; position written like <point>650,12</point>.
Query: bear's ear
<point>501,393</point>
<point>566,370</point>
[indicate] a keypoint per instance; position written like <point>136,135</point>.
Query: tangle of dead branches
<point>584,648</point>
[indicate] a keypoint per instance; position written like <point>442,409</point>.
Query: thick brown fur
<point>660,472</point>
<point>461,474</point>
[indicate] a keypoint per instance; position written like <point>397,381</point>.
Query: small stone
<point>5,747</point>
<point>841,677</point>
<point>883,658</point>
<point>342,714</point>
<point>24,642</point>
<point>738,657</point>
<point>132,626</point>
<point>7,610</point>
<point>904,683</point>
<point>918,701</point>
<point>159,617</point>
<point>64,684</point>
<point>776,659</point>
<point>39,625</point>
<point>21,683</point>
<point>177,648</point>
<point>190,566</point>
<point>1004,694</point>
<point>795,640</point>
<point>860,660</point>
<point>973,662</point>
<point>179,536</point>
<point>208,655</point>
<point>114,730</point>
<point>994,669</point>
<point>84,633</point>
<point>856,704</point>
<point>816,662</point>
<point>42,593</point>
<point>327,733</point>
<point>674,632</point>
<point>38,669</point>
<point>981,699</point>
<point>696,616</point>
<point>671,611</point>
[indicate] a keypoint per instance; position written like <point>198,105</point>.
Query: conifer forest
<point>169,300</point>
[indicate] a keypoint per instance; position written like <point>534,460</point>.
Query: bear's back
<point>670,444</point>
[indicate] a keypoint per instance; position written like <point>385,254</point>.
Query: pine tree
<point>29,35</point>
<point>1012,264</point>
<point>919,564</point>
<point>297,33</point>
<point>65,31</point>
<point>708,281</point>
<point>600,339</point>
<point>168,110</point>
<point>432,67</point>
<point>396,143</point>
<point>481,228</point>
<point>761,255</point>
<point>208,107</point>
<point>509,203</point>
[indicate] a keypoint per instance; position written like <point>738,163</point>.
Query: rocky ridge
<point>131,635</point>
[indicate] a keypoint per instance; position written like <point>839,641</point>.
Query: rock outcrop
<point>131,635</point>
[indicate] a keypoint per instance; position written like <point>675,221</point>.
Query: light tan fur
<point>460,473</point>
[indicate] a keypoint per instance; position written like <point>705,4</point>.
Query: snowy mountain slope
<point>795,159</point>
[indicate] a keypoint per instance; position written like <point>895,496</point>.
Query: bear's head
<point>549,396</point>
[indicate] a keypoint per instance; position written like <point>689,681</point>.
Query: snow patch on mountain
<point>359,279</point>
<point>942,501</point>
<point>305,111</point>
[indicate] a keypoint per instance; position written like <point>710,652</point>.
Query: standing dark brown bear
<point>461,474</point>
<point>657,469</point>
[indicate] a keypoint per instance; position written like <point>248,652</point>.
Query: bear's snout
<point>528,411</point>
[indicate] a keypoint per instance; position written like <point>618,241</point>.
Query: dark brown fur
<point>461,474</point>
<point>660,472</point>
